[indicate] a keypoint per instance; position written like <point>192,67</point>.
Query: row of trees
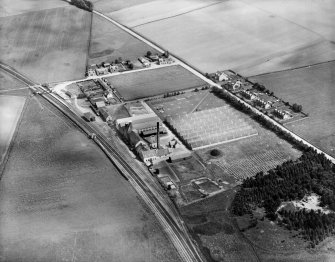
<point>296,108</point>
<point>311,173</point>
<point>259,118</point>
<point>173,94</point>
<point>83,4</point>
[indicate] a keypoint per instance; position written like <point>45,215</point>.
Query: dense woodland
<point>311,173</point>
<point>83,4</point>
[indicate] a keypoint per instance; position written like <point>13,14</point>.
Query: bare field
<point>10,111</point>
<point>48,45</point>
<point>108,6</point>
<point>177,105</point>
<point>108,42</point>
<point>156,10</point>
<point>10,7</point>
<point>154,82</point>
<point>313,88</point>
<point>237,35</point>
<point>317,16</point>
<point>67,202</point>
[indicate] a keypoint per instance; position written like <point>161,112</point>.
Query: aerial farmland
<point>63,202</point>
<point>48,45</point>
<point>155,82</point>
<point>240,36</point>
<point>167,130</point>
<point>313,88</point>
<point>109,42</point>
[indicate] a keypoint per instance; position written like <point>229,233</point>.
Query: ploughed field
<point>154,82</point>
<point>250,37</point>
<point>313,88</point>
<point>108,42</point>
<point>48,45</point>
<point>61,199</point>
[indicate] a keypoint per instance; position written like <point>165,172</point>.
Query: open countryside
<point>155,82</point>
<point>238,35</point>
<point>156,130</point>
<point>313,88</point>
<point>10,111</point>
<point>48,45</point>
<point>63,202</point>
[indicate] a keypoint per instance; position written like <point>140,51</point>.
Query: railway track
<point>170,222</point>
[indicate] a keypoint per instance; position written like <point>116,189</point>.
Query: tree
<point>166,54</point>
<point>149,53</point>
<point>297,108</point>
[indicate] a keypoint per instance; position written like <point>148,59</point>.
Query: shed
<point>88,116</point>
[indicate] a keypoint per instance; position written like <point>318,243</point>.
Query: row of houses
<point>257,100</point>
<point>105,68</point>
<point>282,114</point>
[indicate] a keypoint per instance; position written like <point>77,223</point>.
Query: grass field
<point>10,7</point>
<point>10,111</point>
<point>156,10</point>
<point>67,202</point>
<point>189,169</point>
<point>240,35</point>
<point>108,42</point>
<point>313,88</point>
<point>48,45</point>
<point>7,82</point>
<point>108,6</point>
<point>177,105</point>
<point>214,230</point>
<point>154,82</point>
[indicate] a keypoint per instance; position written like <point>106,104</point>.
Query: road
<point>170,221</point>
<point>210,82</point>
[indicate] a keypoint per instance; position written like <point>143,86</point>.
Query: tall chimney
<point>157,135</point>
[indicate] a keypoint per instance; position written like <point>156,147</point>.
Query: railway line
<point>178,234</point>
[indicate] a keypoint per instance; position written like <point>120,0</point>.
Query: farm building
<point>113,68</point>
<point>151,155</point>
<point>141,123</point>
<point>91,72</point>
<point>237,84</point>
<point>104,114</point>
<point>166,182</point>
<point>144,61</point>
<point>103,84</point>
<point>262,103</point>
<point>148,156</point>
<point>281,114</point>
<point>153,131</point>
<point>154,58</point>
<point>89,117</point>
<point>248,94</point>
<point>221,76</point>
<point>101,71</point>
<point>100,104</point>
